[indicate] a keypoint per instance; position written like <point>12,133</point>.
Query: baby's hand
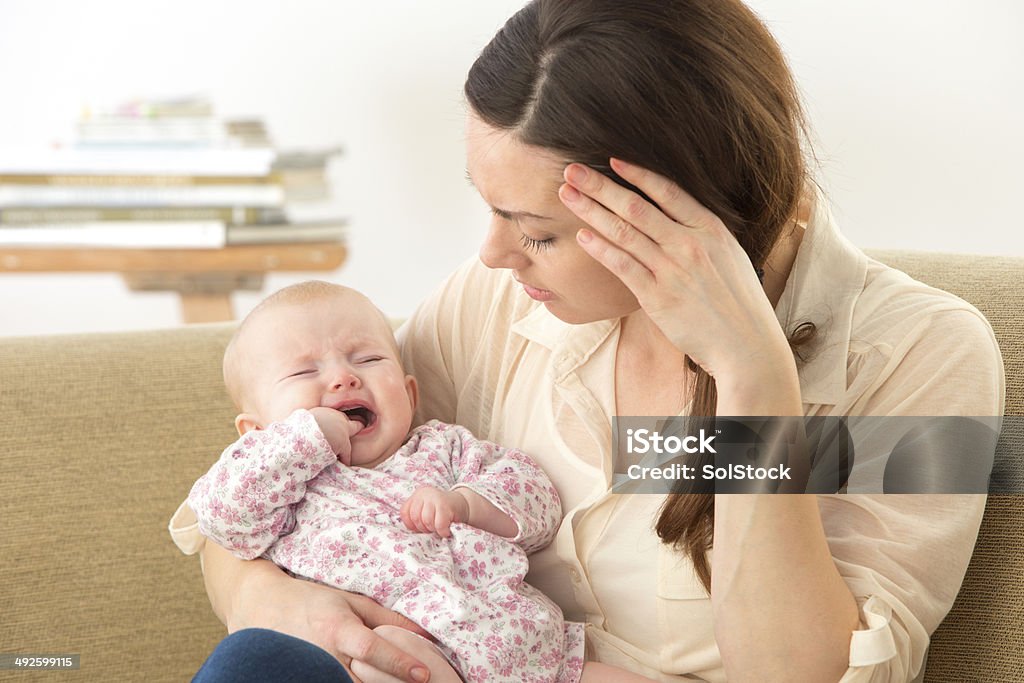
<point>338,429</point>
<point>430,509</point>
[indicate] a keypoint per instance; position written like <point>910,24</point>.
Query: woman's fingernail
<point>575,173</point>
<point>420,675</point>
<point>570,193</point>
<point>583,235</point>
<point>619,165</point>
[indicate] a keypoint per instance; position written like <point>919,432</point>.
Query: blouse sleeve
<point>427,344</point>
<point>904,556</point>
<point>460,328</point>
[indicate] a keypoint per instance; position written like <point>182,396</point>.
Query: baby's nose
<point>346,379</point>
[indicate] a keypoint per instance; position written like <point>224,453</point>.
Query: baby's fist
<point>430,509</point>
<point>337,429</point>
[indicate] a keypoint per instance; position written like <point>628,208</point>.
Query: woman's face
<point>533,234</point>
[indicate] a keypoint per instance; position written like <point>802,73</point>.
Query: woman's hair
<point>695,90</point>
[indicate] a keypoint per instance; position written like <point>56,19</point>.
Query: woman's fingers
<point>621,247</point>
<point>621,215</point>
<point>621,263</point>
<point>367,674</point>
<point>374,614</point>
<point>376,651</point>
<point>370,648</point>
<point>675,202</point>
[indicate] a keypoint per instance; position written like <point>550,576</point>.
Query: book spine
<point>235,215</point>
<point>148,130</point>
<point>140,196</point>
<point>139,161</point>
<point>125,234</point>
<point>82,180</point>
<point>289,233</point>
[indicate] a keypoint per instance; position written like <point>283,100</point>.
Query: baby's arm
<point>244,502</point>
<point>511,482</point>
<point>430,509</point>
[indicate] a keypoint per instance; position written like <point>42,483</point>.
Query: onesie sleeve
<point>510,480</point>
<point>245,502</point>
<point>904,556</point>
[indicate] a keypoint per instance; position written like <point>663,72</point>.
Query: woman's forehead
<point>506,171</point>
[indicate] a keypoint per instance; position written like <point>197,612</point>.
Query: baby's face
<point>335,352</point>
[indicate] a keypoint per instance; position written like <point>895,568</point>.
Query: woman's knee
<point>258,654</point>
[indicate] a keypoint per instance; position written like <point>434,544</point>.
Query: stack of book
<point>164,174</point>
<point>179,122</point>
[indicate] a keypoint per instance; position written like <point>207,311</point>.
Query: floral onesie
<point>282,494</point>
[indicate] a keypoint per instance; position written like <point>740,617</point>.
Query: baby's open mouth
<point>360,414</point>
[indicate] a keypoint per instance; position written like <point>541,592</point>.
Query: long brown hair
<point>695,90</point>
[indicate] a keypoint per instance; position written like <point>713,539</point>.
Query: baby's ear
<point>413,390</point>
<point>246,422</point>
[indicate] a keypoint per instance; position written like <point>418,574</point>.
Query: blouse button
<point>574,575</point>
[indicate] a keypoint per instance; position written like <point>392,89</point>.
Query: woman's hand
<point>686,269</point>
<point>697,285</point>
<point>256,594</point>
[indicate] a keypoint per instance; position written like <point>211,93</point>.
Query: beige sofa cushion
<point>102,437</point>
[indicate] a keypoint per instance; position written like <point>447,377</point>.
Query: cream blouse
<point>490,358</point>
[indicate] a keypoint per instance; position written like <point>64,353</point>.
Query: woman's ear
<point>246,422</point>
<point>413,389</point>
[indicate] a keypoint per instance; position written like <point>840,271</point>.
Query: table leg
<point>206,308</point>
<point>205,297</point>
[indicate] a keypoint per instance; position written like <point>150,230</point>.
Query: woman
<point>643,163</point>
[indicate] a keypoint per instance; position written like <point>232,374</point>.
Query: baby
<point>327,481</point>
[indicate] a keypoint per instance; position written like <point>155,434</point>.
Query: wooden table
<point>203,278</point>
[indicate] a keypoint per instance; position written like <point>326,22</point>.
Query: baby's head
<point>319,344</point>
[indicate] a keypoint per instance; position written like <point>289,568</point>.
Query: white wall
<point>915,104</point>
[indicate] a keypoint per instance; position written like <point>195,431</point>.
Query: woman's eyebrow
<point>504,213</point>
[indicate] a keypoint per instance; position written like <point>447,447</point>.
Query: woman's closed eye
<point>306,371</point>
<point>370,359</point>
<point>535,245</point>
<point>529,243</point>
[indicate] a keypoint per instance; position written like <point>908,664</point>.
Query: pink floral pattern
<point>281,493</point>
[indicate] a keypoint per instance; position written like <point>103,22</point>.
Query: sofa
<point>103,434</point>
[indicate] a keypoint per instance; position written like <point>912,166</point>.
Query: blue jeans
<point>257,655</point>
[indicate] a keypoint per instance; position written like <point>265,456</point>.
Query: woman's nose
<point>500,248</point>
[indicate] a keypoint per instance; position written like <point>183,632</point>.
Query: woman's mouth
<point>537,294</point>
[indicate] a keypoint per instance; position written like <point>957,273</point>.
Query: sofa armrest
<point>981,638</point>
<point>102,436</point>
